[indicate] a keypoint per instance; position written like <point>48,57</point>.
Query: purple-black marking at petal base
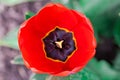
<point>55,52</point>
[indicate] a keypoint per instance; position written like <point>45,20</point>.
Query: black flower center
<point>59,44</point>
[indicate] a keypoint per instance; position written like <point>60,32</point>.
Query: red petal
<point>53,15</point>
<point>66,73</point>
<point>32,50</point>
<point>86,43</point>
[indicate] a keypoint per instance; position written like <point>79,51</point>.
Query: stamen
<point>59,44</point>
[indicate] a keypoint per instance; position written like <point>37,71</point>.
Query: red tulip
<point>57,41</point>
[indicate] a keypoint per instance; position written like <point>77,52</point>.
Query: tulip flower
<point>57,41</point>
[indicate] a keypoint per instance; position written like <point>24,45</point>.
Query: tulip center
<point>59,44</point>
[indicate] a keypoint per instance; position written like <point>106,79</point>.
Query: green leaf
<point>13,2</point>
<point>95,7</point>
<point>17,60</point>
<point>29,15</point>
<point>69,3</point>
<point>35,76</point>
<point>117,61</point>
<point>102,69</point>
<point>103,14</point>
<point>117,32</point>
<point>10,40</point>
<point>103,17</point>
<point>84,74</point>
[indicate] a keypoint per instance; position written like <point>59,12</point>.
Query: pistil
<point>59,44</point>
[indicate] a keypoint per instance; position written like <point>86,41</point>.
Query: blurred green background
<point>103,14</point>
